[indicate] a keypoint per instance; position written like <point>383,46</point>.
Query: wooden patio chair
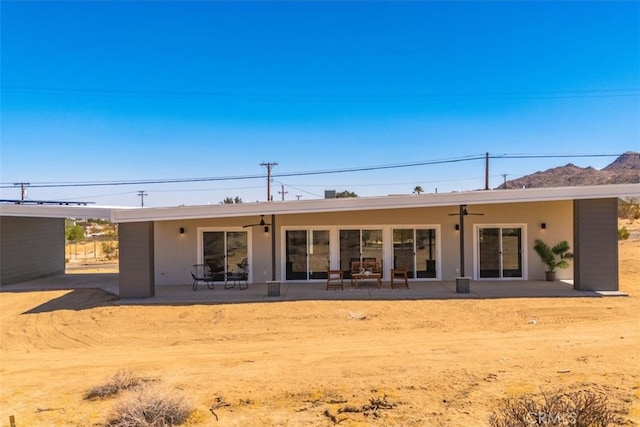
<point>355,268</point>
<point>335,279</point>
<point>399,278</point>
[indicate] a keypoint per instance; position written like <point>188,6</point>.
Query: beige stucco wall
<point>175,253</point>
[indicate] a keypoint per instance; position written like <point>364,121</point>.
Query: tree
<point>73,232</point>
<point>345,193</point>
<point>231,200</point>
<point>418,190</point>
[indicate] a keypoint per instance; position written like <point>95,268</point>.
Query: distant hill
<point>624,170</point>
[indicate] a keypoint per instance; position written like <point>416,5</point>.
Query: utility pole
<point>142,195</point>
<point>283,192</point>
<point>486,171</point>
<point>298,196</point>
<point>269,165</point>
<point>23,189</point>
<point>504,177</point>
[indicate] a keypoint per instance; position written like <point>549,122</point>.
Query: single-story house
<point>484,235</point>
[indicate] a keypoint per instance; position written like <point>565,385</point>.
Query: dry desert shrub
<point>150,407</point>
<point>586,408</point>
<point>122,380</point>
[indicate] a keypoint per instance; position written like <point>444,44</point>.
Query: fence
<point>101,248</point>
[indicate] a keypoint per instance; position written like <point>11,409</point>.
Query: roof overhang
<point>479,197</point>
<point>56,211</point>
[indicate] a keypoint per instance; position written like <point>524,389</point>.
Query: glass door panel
<point>403,250</point>
<point>237,250</point>
<point>372,246</point>
<point>318,254</point>
<point>349,250</point>
<point>426,252</point>
<point>213,252</point>
<point>489,239</point>
<point>511,254</point>
<point>296,247</point>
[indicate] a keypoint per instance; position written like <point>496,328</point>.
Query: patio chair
<point>399,278</point>
<point>216,268</point>
<point>202,275</point>
<point>356,267</point>
<point>241,274</point>
<point>335,279</point>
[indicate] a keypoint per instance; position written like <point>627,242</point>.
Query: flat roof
<point>478,197</point>
<point>56,211</point>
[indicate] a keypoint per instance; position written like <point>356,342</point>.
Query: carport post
<point>462,282</point>
<point>273,247</point>
<point>273,285</point>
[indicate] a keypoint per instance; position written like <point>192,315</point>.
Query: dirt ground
<point>442,363</point>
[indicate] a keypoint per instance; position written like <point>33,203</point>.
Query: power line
<point>591,93</point>
<point>303,173</point>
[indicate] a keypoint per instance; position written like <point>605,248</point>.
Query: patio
<point>257,292</point>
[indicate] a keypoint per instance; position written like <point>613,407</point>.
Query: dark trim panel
<point>137,277</point>
<point>30,248</point>
<point>595,229</point>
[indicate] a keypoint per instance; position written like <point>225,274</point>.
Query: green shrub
<point>623,233</point>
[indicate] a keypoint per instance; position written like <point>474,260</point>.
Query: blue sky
<point>120,91</point>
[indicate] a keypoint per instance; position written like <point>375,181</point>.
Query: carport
<point>32,238</point>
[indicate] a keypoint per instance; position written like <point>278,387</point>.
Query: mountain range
<point>624,170</point>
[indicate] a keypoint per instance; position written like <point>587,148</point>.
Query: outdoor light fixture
<point>266,228</point>
<point>181,230</point>
<point>457,227</point>
<point>543,225</point>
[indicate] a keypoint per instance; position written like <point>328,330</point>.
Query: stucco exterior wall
<point>175,253</point>
<point>30,248</point>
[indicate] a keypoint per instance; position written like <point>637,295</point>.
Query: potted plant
<point>548,256</point>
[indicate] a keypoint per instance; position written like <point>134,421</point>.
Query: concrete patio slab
<point>258,292</point>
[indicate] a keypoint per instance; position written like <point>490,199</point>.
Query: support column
<point>595,240</point>
<point>137,277</point>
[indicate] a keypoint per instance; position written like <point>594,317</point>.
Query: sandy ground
<point>444,363</point>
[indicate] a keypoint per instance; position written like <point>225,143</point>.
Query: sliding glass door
<point>415,250</point>
<point>500,252</point>
<point>307,254</point>
<point>359,245</point>
<point>224,251</point>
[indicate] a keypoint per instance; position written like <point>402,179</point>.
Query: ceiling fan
<point>465,212</point>
<point>261,224</point>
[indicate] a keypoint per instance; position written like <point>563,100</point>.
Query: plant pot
<point>551,276</point>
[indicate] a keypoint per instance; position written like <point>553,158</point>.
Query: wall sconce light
<point>543,225</point>
<point>181,230</point>
<point>457,227</point>
<point>266,228</point>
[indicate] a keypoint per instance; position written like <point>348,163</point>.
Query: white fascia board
<point>380,202</point>
<point>56,211</point>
